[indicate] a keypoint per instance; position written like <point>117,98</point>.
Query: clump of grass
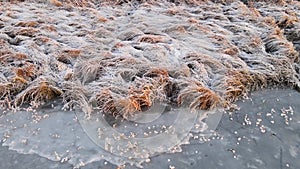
<point>197,96</point>
<point>40,90</point>
<point>233,51</point>
<point>27,24</point>
<point>161,74</point>
<point>5,89</point>
<point>160,82</point>
<point>151,39</point>
<point>210,62</point>
<point>90,70</point>
<point>72,52</point>
<point>75,95</point>
<point>237,84</point>
<point>136,101</point>
<point>7,56</point>
<point>28,71</point>
<point>277,44</point>
<point>147,87</point>
<point>287,20</point>
<point>106,103</point>
<point>30,32</point>
<point>11,86</point>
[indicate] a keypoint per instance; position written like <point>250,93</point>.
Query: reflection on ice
<point>70,137</point>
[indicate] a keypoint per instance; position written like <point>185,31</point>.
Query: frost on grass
<point>93,57</point>
<point>40,90</point>
<point>121,60</point>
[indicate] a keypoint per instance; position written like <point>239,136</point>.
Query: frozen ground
<point>263,134</point>
<point>129,56</point>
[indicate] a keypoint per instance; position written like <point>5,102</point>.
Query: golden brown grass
<point>137,100</point>
<point>106,103</point>
<point>197,96</point>
<point>40,90</point>
<point>233,51</point>
<point>72,52</point>
<point>161,74</point>
<point>28,71</point>
<point>9,88</point>
<point>27,24</point>
<point>5,89</point>
<point>122,102</point>
<point>31,32</point>
<point>56,2</point>
<point>287,20</point>
<point>237,84</point>
<point>7,56</point>
<point>151,39</point>
<point>277,44</point>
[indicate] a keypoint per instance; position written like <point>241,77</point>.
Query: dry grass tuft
<point>160,73</point>
<point>287,20</point>
<point>27,24</point>
<point>90,70</point>
<point>105,102</point>
<point>40,90</point>
<point>68,55</point>
<point>28,71</point>
<point>7,57</point>
<point>198,97</point>
<point>158,79</point>
<point>30,32</point>
<point>233,51</point>
<point>277,44</point>
<point>9,88</point>
<point>72,52</point>
<point>56,3</point>
<point>75,95</point>
<point>237,84</point>
<point>151,39</point>
<point>208,61</point>
<point>137,100</point>
<point>5,90</point>
<point>147,87</point>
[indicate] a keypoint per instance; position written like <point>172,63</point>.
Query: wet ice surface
<point>264,133</point>
<point>70,137</point>
<point>205,55</point>
<point>56,135</point>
